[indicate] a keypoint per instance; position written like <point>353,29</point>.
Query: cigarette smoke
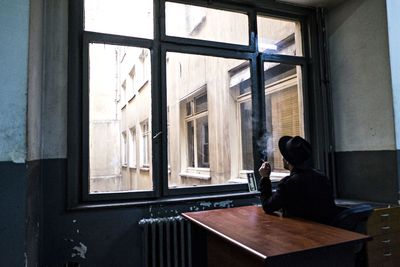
<point>265,146</point>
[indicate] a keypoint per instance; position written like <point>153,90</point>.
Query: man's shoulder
<point>302,175</point>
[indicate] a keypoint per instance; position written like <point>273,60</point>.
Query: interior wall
<point>363,113</point>
<point>13,76</point>
<point>393,21</point>
<point>14,32</point>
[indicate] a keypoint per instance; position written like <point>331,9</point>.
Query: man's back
<point>305,193</point>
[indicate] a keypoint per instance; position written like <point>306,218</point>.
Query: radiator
<point>166,242</point>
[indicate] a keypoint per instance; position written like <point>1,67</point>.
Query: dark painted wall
<point>35,225</point>
<point>111,236</point>
<point>367,175</point>
<point>34,212</point>
<point>13,190</point>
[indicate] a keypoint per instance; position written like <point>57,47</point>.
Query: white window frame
<point>196,172</point>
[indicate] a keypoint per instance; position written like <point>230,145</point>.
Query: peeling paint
<point>80,251</point>
<point>223,204</point>
<point>74,221</point>
<point>158,220</point>
<point>77,231</point>
<point>17,156</point>
<point>206,204</point>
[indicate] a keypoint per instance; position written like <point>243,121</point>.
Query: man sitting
<point>305,193</point>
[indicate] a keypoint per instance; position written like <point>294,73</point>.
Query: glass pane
<point>122,17</point>
<point>115,119</point>
<point>207,147</point>
<point>200,103</point>
<point>202,142</point>
<point>284,110</point>
<point>190,138</point>
<point>206,24</point>
<point>278,36</point>
<point>247,144</point>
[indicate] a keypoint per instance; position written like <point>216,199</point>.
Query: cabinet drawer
<point>383,241</point>
<point>386,255</point>
<point>384,221</point>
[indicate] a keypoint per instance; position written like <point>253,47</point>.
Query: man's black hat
<point>295,150</point>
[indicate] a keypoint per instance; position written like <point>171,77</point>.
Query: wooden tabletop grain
<point>269,235</point>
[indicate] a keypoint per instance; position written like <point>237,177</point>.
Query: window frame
<point>78,195</point>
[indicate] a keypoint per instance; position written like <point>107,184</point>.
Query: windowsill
<point>124,166</point>
<point>133,167</point>
<point>195,175</point>
<point>145,168</point>
<point>167,200</point>
<point>237,181</point>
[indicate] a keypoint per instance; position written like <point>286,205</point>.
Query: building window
<point>132,148</point>
<point>124,145</point>
<point>197,132</point>
<point>133,81</point>
<point>198,101</point>
<point>144,155</point>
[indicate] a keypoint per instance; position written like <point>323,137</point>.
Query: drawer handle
<point>387,254</point>
<point>387,241</point>
<point>385,227</point>
<point>385,215</point>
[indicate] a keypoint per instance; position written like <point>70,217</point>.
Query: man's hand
<point>265,169</point>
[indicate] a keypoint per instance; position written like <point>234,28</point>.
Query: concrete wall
<point>393,21</point>
<point>14,32</point>
<point>360,72</point>
<point>362,100</point>
<point>13,76</point>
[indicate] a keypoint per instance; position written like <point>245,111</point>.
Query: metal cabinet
<point>384,227</point>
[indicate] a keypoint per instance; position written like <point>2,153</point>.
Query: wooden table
<point>246,236</point>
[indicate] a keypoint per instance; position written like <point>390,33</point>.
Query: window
<point>240,87</point>
<point>170,99</point>
<point>124,145</point>
<point>144,155</point>
<point>284,110</point>
<point>196,122</point>
<point>133,87</point>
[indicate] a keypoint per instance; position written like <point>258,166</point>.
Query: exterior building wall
<point>115,106</point>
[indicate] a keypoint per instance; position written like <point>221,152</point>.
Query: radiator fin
<point>166,242</point>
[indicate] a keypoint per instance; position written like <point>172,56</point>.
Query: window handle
<point>157,135</point>
<point>387,241</point>
<point>388,254</point>
<point>385,227</point>
<point>385,215</point>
